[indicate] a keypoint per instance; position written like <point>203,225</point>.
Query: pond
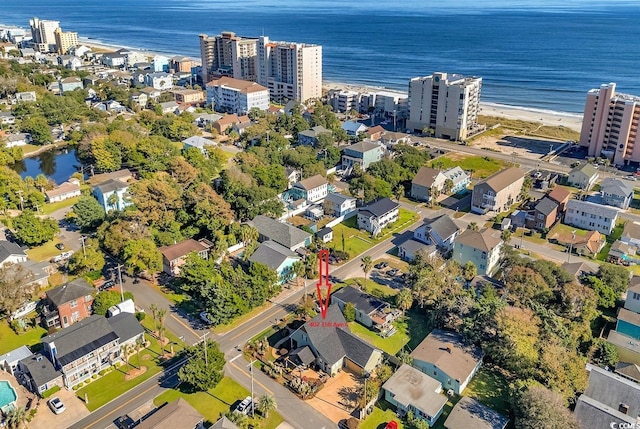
<point>57,165</point>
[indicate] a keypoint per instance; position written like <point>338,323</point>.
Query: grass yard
<point>28,148</point>
<point>9,340</point>
<point>391,345</point>
<point>44,252</point>
<point>490,387</point>
<point>372,287</point>
<point>611,238</point>
<point>529,127</point>
<point>419,327</point>
<point>383,413</point>
<point>566,230</point>
<point>357,242</point>
<point>52,207</point>
<point>213,403</point>
<point>481,166</point>
<point>445,412</point>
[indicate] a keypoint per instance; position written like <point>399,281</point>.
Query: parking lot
<point>74,411</point>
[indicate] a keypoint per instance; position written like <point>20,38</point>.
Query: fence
<point>341,219</point>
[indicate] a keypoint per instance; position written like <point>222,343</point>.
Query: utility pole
<point>120,277</point>
<point>573,239</point>
<point>84,252</point>
<point>252,403</point>
<point>204,341</point>
<point>21,199</point>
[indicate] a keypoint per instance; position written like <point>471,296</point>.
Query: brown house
<point>543,215</point>
<point>230,120</point>
<point>68,304</point>
<point>497,193</point>
<point>175,256</point>
<point>375,133</point>
<point>561,196</point>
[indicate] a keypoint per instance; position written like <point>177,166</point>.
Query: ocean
<point>542,54</point>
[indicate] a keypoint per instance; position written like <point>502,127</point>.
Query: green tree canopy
<point>104,300</point>
<point>89,259</point>
<point>89,212</point>
<point>199,372</point>
<point>32,231</point>
<point>142,255</point>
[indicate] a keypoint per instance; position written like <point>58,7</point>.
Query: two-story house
<point>71,83</point>
<point>498,192</point>
<point>68,304</point>
<point>353,129</point>
<point>543,215</point>
<point>175,255</point>
<point>313,189</point>
<point>282,233</point>
<point>337,205</point>
<point>480,247</point>
<point>460,179</point>
<point>159,80</point>
<point>310,137</point>
<point>631,233</point>
<point>11,253</point>
<point>441,231</point>
<point>277,257</point>
<point>370,311</point>
<point>377,215</point>
<point>362,154</point>
<point>112,195</point>
<point>616,192</point>
<point>583,176</point>
<point>591,216</point>
<point>426,183</point>
<point>561,196</point>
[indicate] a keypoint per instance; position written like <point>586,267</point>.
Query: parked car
<point>244,406</point>
<point>205,317</point>
<point>381,265</point>
<point>106,285</point>
<point>393,271</point>
<point>56,405</point>
<point>60,246</point>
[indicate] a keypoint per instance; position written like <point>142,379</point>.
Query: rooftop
<point>559,194</point>
<point>111,185</point>
<point>364,146</point>
<point>126,326</point>
<point>311,182</point>
<point>7,249</point>
<point>271,254</point>
<point>282,233</point>
<point>504,178</point>
<point>587,168</point>
<point>75,289</point>
<point>546,206</point>
<point>380,207</point>
<point>16,355</point>
<point>176,414</point>
<point>362,301</point>
<point>244,86</point>
<point>409,386</point>
<point>337,198</point>
<point>612,185</point>
<point>469,413</point>
<point>41,369</point>
<point>629,316</point>
<point>631,230</point>
<point>481,240</point>
<point>426,177</point>
<point>182,249</point>
<point>443,226</point>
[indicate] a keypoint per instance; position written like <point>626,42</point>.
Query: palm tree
<point>162,313</point>
<point>299,270</point>
<point>404,300</point>
<point>506,236</point>
<point>448,186</point>
<point>140,343</point>
<point>367,265</point>
<point>398,191</point>
<point>248,234</point>
<point>266,403</point>
<point>112,201</point>
<point>126,350</point>
<point>154,313</point>
<point>473,226</point>
<point>469,271</point>
<point>16,417</point>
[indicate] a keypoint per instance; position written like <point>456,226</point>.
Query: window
<point>636,296</point>
<point>74,303</point>
<point>88,298</point>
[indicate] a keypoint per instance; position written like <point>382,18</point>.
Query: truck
<point>126,306</point>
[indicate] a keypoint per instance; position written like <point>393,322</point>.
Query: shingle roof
<point>81,338</point>
<point>546,206</point>
<point>126,326</point>
<point>352,126</point>
<point>16,355</point>
<point>362,301</point>
<point>375,130</point>
<point>380,207</point>
<point>629,316</point>
<point>614,186</point>
<point>311,182</point>
<point>314,132</point>
<point>409,386</point>
<point>426,177</point>
<point>8,248</point>
<point>414,246</point>
<point>631,230</point>
<point>176,414</point>
<point>504,178</point>
<point>271,254</point>
<point>64,188</point>
<point>224,423</point>
<point>324,231</point>
<point>182,249</point>
<point>41,369</point>
<point>588,169</point>
<point>578,268</point>
<point>559,194</point>
<point>457,363</point>
<point>443,226</point>
<point>111,185</point>
<point>481,240</point>
<point>282,233</point>
<point>364,146</point>
<point>197,141</point>
<point>629,370</point>
<point>75,289</point>
<point>337,198</point>
<point>469,413</point>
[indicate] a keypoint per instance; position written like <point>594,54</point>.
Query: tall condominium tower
<point>610,125</point>
<point>43,34</point>
<point>447,105</point>
<point>228,55</point>
<point>65,40</point>
<point>291,71</point>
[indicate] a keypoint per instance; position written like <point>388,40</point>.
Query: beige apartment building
<point>65,40</point>
<point>291,71</point>
<point>43,34</point>
<point>497,193</point>
<point>228,55</point>
<point>610,125</point>
<point>448,105</point>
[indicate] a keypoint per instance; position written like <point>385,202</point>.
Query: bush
<point>48,393</point>
<point>32,414</point>
<point>102,372</point>
<point>79,385</point>
<point>140,316</point>
<point>75,387</point>
<point>94,376</point>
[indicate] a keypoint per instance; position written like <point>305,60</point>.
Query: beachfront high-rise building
<point>291,71</point>
<point>65,40</point>
<point>610,125</point>
<point>447,105</point>
<point>43,34</point>
<point>228,55</point>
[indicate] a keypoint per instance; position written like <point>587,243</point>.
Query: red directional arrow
<point>323,281</point>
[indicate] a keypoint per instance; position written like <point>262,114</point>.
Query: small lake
<point>57,165</point>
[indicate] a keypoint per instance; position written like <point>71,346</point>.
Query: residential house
<point>68,304</point>
<point>139,98</point>
<point>70,62</point>
<point>11,253</point>
<point>498,192</point>
<point>628,348</point>
<point>427,182</point>
<point>10,361</point>
<point>40,272</point>
<point>409,249</point>
<point>460,179</point>
<point>7,118</point>
<point>578,269</point>
<point>632,303</point>
<point>543,180</point>
<point>543,215</point>
<point>630,371</point>
<point>66,190</point>
<point>188,96</point>
<point>354,129</point>
<point>224,423</point>
<point>370,311</point>
<point>561,196</point>
<point>609,401</point>
<point>440,231</point>
<point>113,59</point>
<point>151,92</point>
<point>175,414</point>
<point>17,139</point>
<point>337,205</point>
<point>621,252</point>
<point>277,257</point>
<point>228,121</point>
<point>583,176</point>
<point>313,211</point>
<point>204,119</point>
<point>175,255</point>
<point>112,195</point>
<point>444,356</point>
<point>362,154</point>
<point>70,84</point>
<point>293,176</point>
<point>124,175</point>
<point>310,137</point>
<point>391,139</point>
<point>109,106</point>
<point>88,346</point>
<point>480,247</point>
<point>282,233</point>
<point>628,323</point>
<point>616,192</point>
<point>631,233</point>
<point>375,132</point>
<point>312,189</point>
<point>39,373</point>
<point>470,413</point>
<point>197,142</point>
<point>591,216</point>
<point>169,107</point>
<point>159,80</point>
<point>585,245</point>
<point>25,97</point>
<point>237,96</point>
<point>334,346</point>
<point>325,235</point>
<point>410,390</point>
<point>127,328</point>
<point>90,80</point>
<point>377,215</point>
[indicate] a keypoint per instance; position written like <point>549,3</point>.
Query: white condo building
<point>446,104</point>
<point>43,34</point>
<point>291,71</point>
<point>236,96</point>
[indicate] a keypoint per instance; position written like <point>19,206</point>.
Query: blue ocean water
<point>537,53</point>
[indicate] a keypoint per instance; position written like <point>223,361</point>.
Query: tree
<point>299,270</point>
<point>140,343</point>
<point>15,287</point>
<point>398,192</point>
<point>141,255</point>
<point>266,403</point>
<point>90,259</point>
<point>604,353</point>
<point>538,407</point>
<point>162,315</point>
<point>448,186</point>
<point>473,226</point>
<point>606,295</point>
<point>505,236</point>
<point>470,271</point>
<point>200,372</point>
<point>126,350</point>
<point>404,300</point>
<point>38,128</point>
<point>366,265</point>
<point>248,233</point>
<point>16,417</point>
<point>104,300</point>
<point>32,230</point>
<point>515,344</point>
<point>349,312</point>
<point>615,276</point>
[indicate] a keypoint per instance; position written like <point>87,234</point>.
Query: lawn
<point>52,207</point>
<point>419,327</point>
<point>611,238</point>
<point>372,287</point>
<point>530,127</point>
<point>216,401</point>
<point>9,340</point>
<point>481,166</point>
<point>44,252</point>
<point>357,242</point>
<point>490,387</point>
<point>382,414</point>
<point>391,345</point>
<point>566,230</point>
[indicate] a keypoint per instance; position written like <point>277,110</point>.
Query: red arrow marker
<point>323,280</point>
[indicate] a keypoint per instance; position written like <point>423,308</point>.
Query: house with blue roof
<point>353,128</point>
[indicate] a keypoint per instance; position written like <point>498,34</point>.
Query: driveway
<point>337,399</point>
<point>75,410</point>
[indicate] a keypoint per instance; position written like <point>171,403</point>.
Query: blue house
<point>628,323</point>
<point>276,257</point>
<point>112,195</point>
<point>70,83</point>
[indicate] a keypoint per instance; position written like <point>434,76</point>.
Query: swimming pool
<point>8,394</point>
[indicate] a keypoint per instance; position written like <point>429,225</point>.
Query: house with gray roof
<point>460,179</point>
<point>369,309</point>
<point>616,192</point>
<point>11,253</point>
<point>497,193</point>
<point>224,423</point>
<point>410,390</point>
<point>127,328</point>
<point>609,398</point>
<point>112,194</point>
<point>362,154</point>
<point>310,137</point>
<point>427,182</point>
<point>409,249</point>
<point>353,128</point>
<point>40,373</point>
<point>282,233</point>
<point>197,142</point>
<point>10,360</point>
<point>631,233</point>
<point>67,304</point>
<point>632,302</point>
<point>334,346</point>
<point>277,257</point>
<point>470,413</point>
<point>630,371</point>
<point>482,248</point>
<point>544,214</point>
<point>583,176</point>
<point>336,204</point>
<point>441,232</point>
<point>375,216</point>
<point>591,216</point>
